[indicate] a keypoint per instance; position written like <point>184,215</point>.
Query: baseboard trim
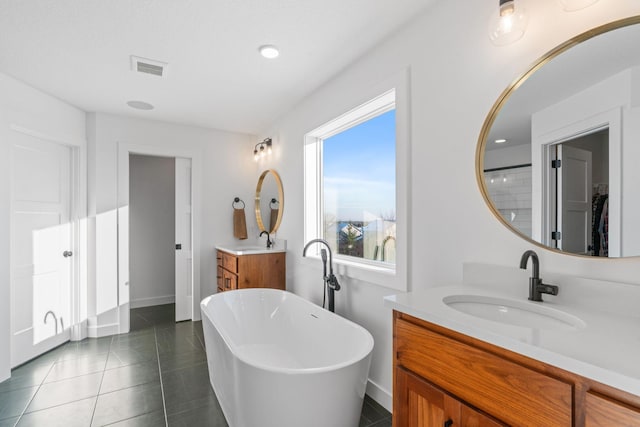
<point>80,331</point>
<point>148,302</point>
<point>380,395</point>
<point>103,330</point>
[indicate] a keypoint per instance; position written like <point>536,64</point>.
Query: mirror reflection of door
<point>578,186</point>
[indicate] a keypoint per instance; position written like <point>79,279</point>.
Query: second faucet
<point>269,242</point>
<point>536,287</point>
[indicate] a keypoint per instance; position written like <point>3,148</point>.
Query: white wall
<point>226,171</point>
<point>33,111</point>
<point>456,76</point>
<point>152,218</point>
<point>507,156</point>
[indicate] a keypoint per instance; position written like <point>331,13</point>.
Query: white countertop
<point>606,349</point>
<point>249,250</point>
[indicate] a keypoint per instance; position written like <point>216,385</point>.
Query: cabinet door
<point>418,403</point>
<point>602,411</point>
<point>421,404</point>
<point>262,271</point>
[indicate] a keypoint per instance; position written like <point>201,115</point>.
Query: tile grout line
<point>95,405</point>
<point>34,394</point>
<point>164,406</point>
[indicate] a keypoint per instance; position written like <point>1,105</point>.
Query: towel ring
<point>274,202</point>
<point>237,200</point>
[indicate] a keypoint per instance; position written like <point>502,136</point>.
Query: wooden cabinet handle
<point>448,423</point>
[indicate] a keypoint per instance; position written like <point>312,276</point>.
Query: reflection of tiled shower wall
<point>510,190</point>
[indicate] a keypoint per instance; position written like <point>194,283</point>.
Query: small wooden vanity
<point>444,378</point>
<point>251,270</point>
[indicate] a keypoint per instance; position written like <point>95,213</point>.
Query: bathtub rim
<point>360,354</point>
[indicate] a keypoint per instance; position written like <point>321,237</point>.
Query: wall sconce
<point>571,5</point>
<point>262,148</point>
<point>509,24</point>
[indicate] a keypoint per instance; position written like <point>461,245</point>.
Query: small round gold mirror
<point>269,201</point>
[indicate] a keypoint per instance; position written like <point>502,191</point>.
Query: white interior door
<point>184,257</point>
<point>41,258</point>
<point>574,199</point>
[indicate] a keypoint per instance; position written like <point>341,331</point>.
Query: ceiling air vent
<point>148,66</point>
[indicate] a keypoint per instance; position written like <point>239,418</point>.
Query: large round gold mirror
<point>558,155</point>
<point>269,201</point>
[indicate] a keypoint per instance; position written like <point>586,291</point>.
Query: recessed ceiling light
<point>140,105</point>
<point>500,141</point>
<point>269,51</point>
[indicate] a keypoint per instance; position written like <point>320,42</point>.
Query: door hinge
<point>556,164</point>
<point>178,246</point>
<point>556,235</point>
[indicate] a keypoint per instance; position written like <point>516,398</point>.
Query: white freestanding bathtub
<point>276,359</point>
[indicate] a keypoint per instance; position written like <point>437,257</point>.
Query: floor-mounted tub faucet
<point>536,287</point>
<point>330,281</point>
<point>55,319</point>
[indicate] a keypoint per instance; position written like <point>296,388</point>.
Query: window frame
<point>383,274</point>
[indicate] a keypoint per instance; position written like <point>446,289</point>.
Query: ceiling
<point>79,51</point>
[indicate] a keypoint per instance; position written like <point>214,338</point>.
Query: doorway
<point>579,190</point>
<point>186,259</point>
<point>151,230</point>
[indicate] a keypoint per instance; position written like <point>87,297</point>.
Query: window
<point>351,189</point>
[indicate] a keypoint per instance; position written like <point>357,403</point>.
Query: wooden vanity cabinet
<point>250,271</point>
<point>444,378</point>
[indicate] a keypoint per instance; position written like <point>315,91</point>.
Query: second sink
<point>514,312</point>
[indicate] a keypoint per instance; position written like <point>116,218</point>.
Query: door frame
<point>79,225</point>
<point>541,164</point>
<point>124,149</point>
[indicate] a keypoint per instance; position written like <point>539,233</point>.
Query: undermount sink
<point>514,312</point>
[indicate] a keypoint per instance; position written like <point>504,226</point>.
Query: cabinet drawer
<point>229,262</point>
<point>229,281</point>
<point>219,280</point>
<point>603,412</point>
<point>505,390</point>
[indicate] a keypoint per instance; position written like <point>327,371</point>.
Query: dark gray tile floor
<point>156,375</point>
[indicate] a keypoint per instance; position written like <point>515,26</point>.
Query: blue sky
<point>359,169</point>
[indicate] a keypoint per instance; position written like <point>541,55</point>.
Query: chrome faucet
<point>269,242</point>
<point>330,281</point>
<point>536,287</point>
